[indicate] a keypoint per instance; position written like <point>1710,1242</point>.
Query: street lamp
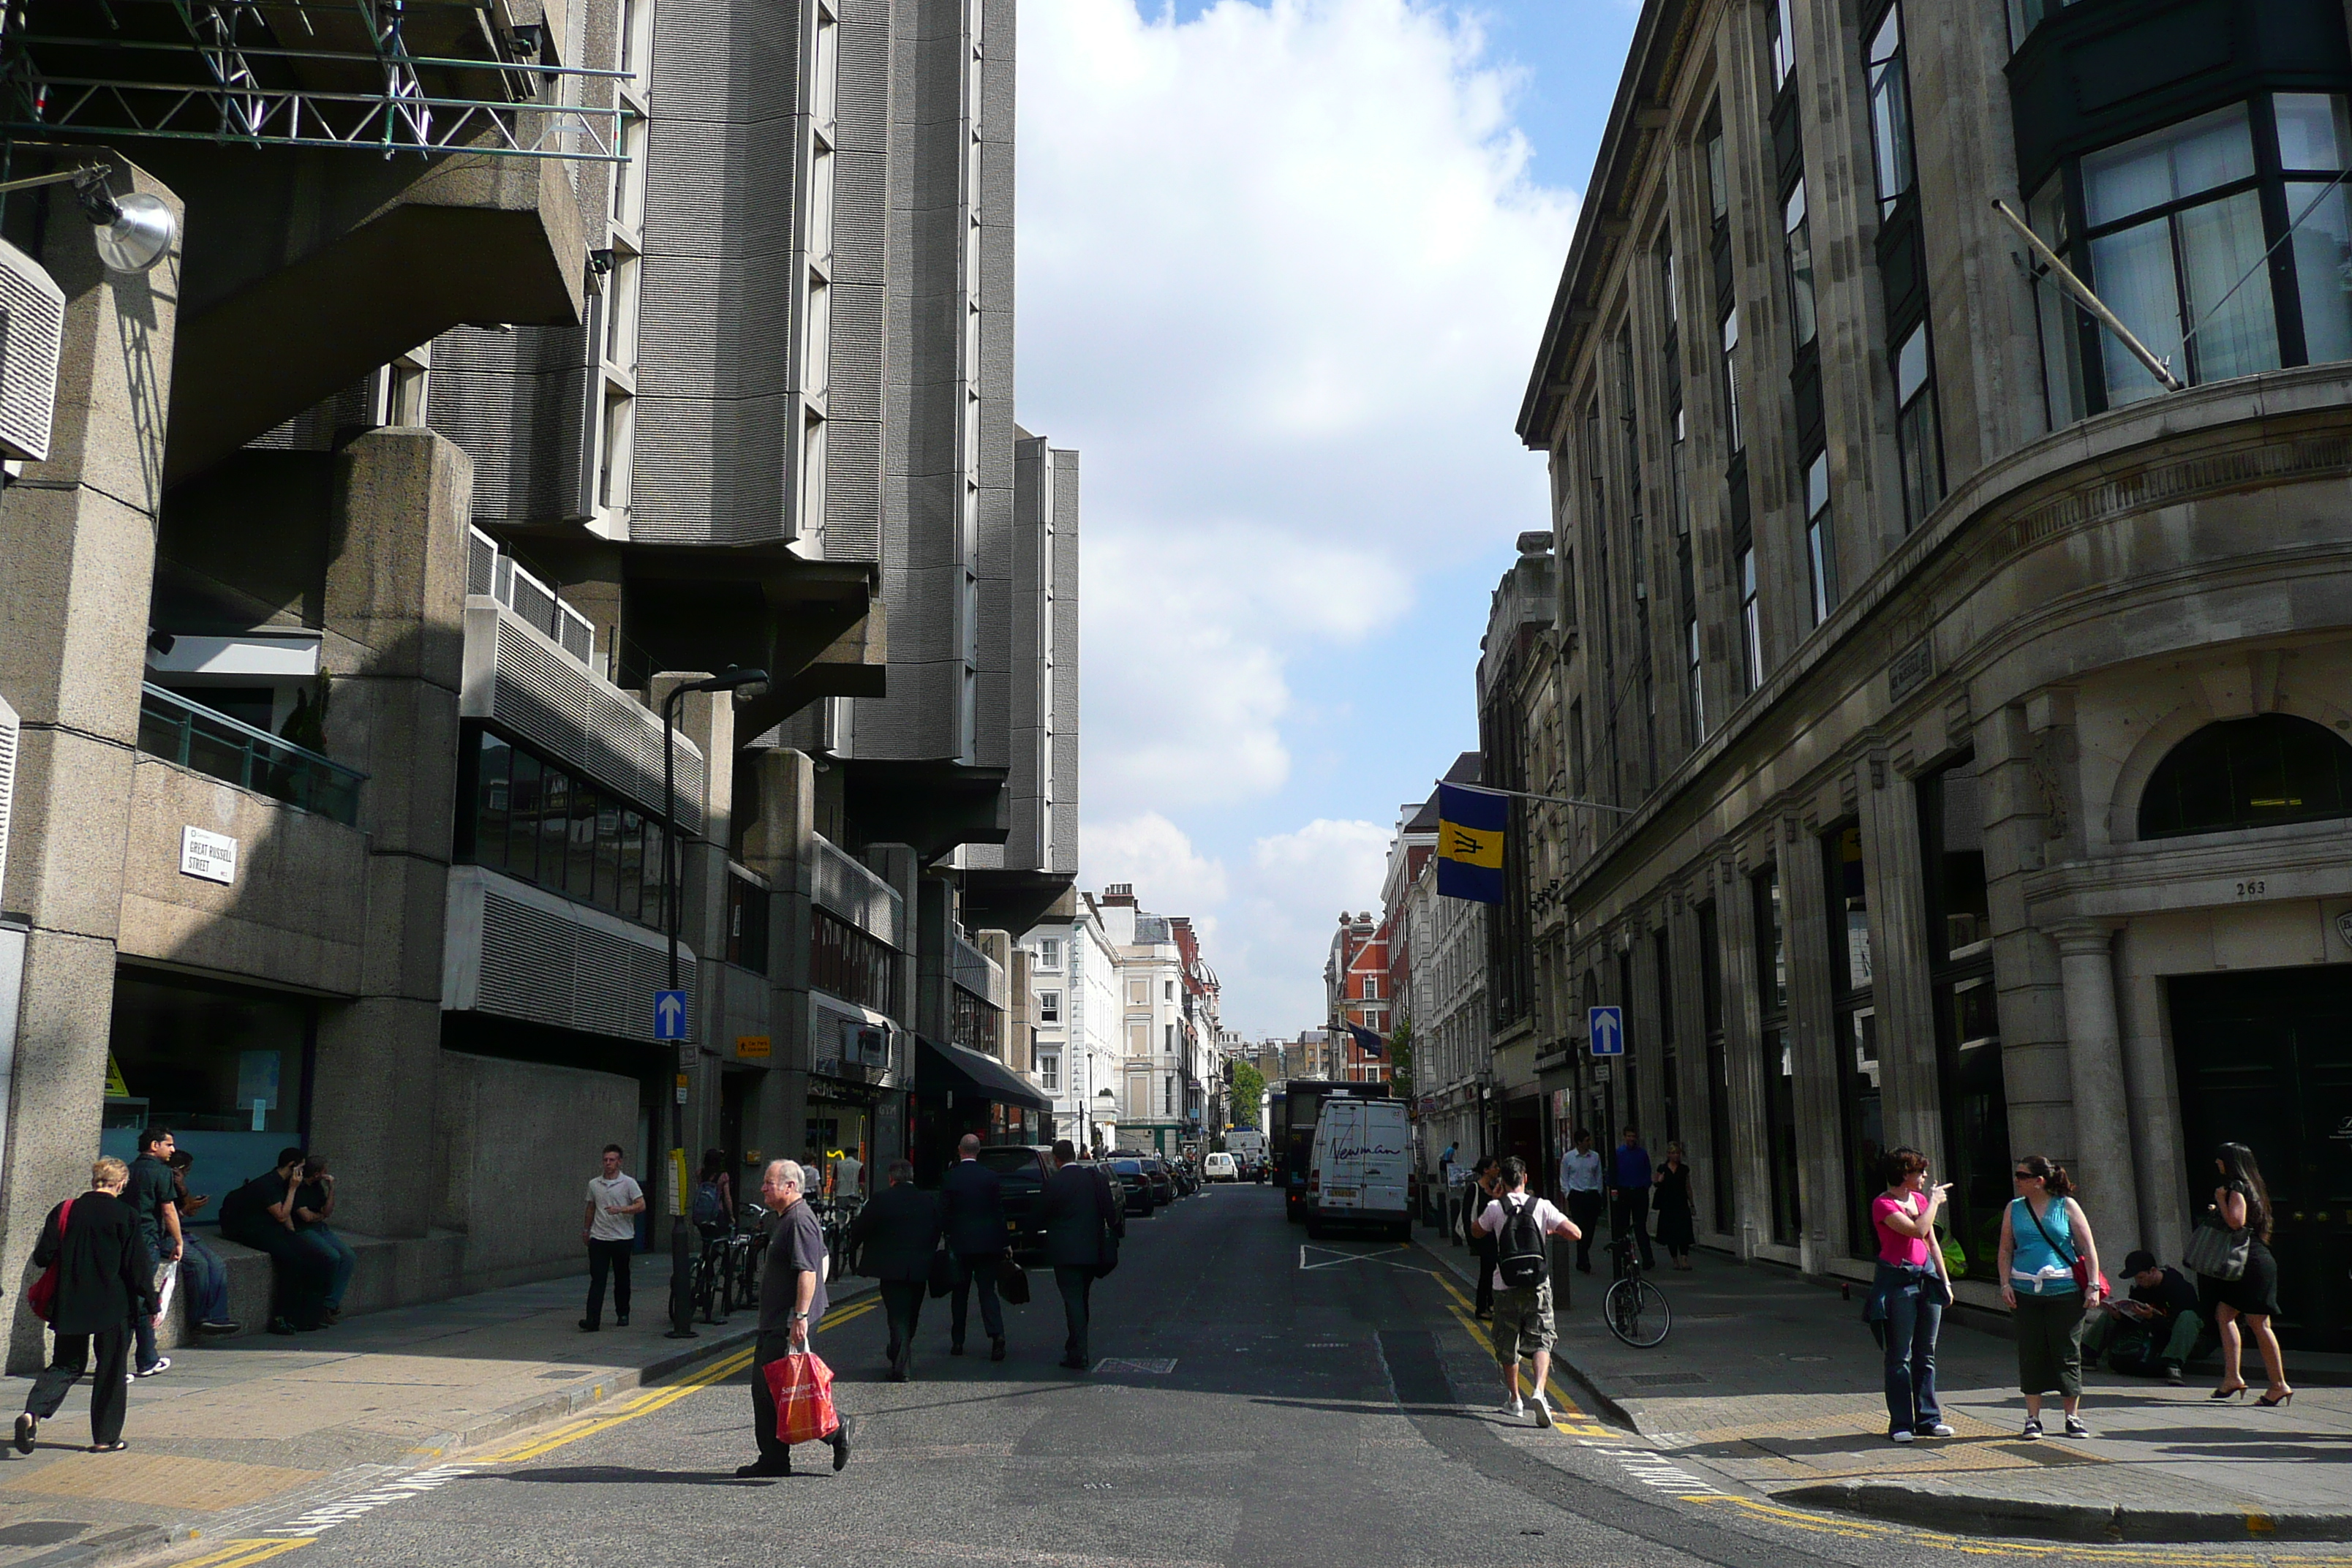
<point>743,682</point>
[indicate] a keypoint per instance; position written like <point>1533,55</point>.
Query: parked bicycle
<point>1635,1310</point>
<point>745,1248</point>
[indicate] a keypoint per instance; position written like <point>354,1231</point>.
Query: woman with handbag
<point>1909,1294</point>
<point>2049,1277</point>
<point>99,1272</point>
<point>2236,1275</point>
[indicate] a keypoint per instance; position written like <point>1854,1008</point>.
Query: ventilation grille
<point>32,330</point>
<point>8,732</point>
<point>577,718</point>
<point>538,966</point>
<point>846,888</point>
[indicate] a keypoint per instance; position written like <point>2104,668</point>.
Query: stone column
<point>394,617</point>
<point>2103,1141</point>
<point>77,568</point>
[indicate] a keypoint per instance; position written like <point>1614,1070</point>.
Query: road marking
<point>1653,1471</point>
<point>1336,1257</point>
<point>1563,1408</point>
<point>343,1510</point>
<point>238,1554</point>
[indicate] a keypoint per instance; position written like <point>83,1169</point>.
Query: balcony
<point>493,571</point>
<point>178,731</point>
<point>840,882</point>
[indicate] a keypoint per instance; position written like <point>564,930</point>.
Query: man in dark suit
<point>896,1235</point>
<point>1079,1215</point>
<point>105,1273</point>
<point>972,1216</point>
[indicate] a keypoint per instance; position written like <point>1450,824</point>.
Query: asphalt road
<point>1268,1404</point>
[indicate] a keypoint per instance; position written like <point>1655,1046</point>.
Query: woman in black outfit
<point>1672,1202</point>
<point>2246,1203</point>
<point>1486,1181</point>
<point>103,1270</point>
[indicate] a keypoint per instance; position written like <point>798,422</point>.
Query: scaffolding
<point>425,77</point>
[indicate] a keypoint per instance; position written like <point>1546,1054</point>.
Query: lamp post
<point>735,678</point>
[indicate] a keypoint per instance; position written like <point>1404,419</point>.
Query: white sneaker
<point>1543,1411</point>
<point>1936,1430</point>
<point>1900,1435</point>
<point>163,1364</point>
<point>1514,1405</point>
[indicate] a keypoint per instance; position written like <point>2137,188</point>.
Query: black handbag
<point>942,1273</point>
<point>1011,1281</point>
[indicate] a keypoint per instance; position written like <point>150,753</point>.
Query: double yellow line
<point>238,1554</point>
<point>1567,1415</point>
<point>641,1403</point>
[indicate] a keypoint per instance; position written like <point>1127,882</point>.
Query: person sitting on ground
<point>314,1205</point>
<point>1519,1222</point>
<point>206,1276</point>
<point>105,1273</point>
<point>2153,1332</point>
<point>261,1214</point>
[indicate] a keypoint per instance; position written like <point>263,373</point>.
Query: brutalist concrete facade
<point>1981,704</point>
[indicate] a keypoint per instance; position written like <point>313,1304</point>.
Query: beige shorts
<point>1522,1322</point>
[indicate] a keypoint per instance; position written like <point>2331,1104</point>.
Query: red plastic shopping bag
<point>802,1386</point>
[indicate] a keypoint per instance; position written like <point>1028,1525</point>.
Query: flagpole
<point>1549,799</point>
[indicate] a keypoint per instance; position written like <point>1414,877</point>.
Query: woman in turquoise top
<point>2042,1232</point>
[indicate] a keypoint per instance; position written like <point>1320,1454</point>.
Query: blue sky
<point>1283,266</point>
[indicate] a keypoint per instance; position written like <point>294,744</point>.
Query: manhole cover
<point>1663,1379</point>
<point>1141,1366</point>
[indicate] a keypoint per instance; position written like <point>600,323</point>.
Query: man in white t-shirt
<point>849,1177</point>
<point>1521,1223</point>
<point>610,1229</point>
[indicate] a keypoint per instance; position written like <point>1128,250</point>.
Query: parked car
<point>1126,1176</point>
<point>1220,1167</point>
<point>1021,1168</point>
<point>1163,1186</point>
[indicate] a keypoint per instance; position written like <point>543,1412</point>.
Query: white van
<point>1357,1172</point>
<point>1217,1167</point>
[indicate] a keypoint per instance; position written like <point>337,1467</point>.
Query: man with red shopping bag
<point>792,1297</point>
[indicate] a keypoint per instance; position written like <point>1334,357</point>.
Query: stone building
<point>1979,699</point>
<point>384,516</point>
<point>1443,990</point>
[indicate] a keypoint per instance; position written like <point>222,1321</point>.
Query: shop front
<point>959,1091</point>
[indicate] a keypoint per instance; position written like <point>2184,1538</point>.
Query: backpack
<point>708,1208</point>
<point>1520,1255</point>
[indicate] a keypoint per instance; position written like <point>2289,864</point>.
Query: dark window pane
<point>657,873</point>
<point>579,878</point>
<point>554,822</point>
<point>631,899</point>
<point>2248,772</point>
<point>523,842</point>
<point>491,801</point>
<point>608,853</point>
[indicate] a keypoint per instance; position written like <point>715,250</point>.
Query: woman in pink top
<point>1909,1294</point>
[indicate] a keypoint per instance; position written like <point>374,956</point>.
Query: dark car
<point>1023,1170</point>
<point>1133,1185</point>
<point>1163,1186</point>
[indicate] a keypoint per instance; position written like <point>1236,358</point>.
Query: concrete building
<point>342,629</point>
<point>1976,699</point>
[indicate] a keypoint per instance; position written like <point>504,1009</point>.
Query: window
<point>1731,379</point>
<point>1372,987</point>
<point>1049,1006</point>
<point>1797,238</point>
<point>621,310</point>
<point>747,922</point>
<point>853,965</point>
<point>1697,685</point>
<point>1167,989</point>
<point>1721,1155</point>
<point>532,820</point>
<point>2248,772</point>
<point>1718,182</point>
<point>1890,112</point>
<point>1670,1075</point>
<point>612,461</point>
<point>1139,1040</point>
<point>1049,1073</point>
<point>1139,993</point>
<point>1167,1095</point>
<point>1777,1059</point>
<point>1967,1021</point>
<point>223,1063</point>
<point>1049,952</point>
<point>1821,547</point>
<point>1854,1034</point>
<point>1168,1039</point>
<point>1751,619</point>
<point>1784,44</point>
<point>1915,428</point>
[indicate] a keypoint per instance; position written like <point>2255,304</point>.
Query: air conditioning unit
<point>9,730</point>
<point>32,330</point>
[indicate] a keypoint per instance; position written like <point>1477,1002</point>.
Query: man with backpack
<point>1521,1223</point>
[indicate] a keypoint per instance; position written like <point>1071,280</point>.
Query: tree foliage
<point>1249,1092</point>
<point>1401,1059</point>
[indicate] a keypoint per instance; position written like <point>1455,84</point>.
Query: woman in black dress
<point>1671,1201</point>
<point>2243,1201</point>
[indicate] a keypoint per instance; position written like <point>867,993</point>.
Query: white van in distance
<point>1357,1172</point>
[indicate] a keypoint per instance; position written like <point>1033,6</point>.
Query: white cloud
<point>1281,275</point>
<point>1153,854</point>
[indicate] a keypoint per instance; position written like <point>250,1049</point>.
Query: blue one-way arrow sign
<point>1605,1027</point>
<point>670,1015</point>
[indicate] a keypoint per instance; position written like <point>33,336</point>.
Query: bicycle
<point>706,1284</point>
<point>745,1248</point>
<point>1635,1310</point>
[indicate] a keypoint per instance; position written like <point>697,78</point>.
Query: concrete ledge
<point>392,1273</point>
<point>1965,1514</point>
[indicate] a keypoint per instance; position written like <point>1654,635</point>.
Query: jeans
<point>1913,1320</point>
<point>1076,1286</point>
<point>2170,1343</point>
<point>1584,1206</point>
<point>142,1326</point>
<point>108,1400</point>
<point>336,1255</point>
<point>977,1268</point>
<point>608,1257</point>
<point>297,1275</point>
<point>902,1307</point>
<point>1629,1214</point>
<point>206,1279</point>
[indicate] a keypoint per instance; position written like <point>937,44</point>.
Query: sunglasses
<point>2024,1176</point>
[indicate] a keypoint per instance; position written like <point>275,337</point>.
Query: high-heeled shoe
<point>2275,1401</point>
<point>2235,1390</point>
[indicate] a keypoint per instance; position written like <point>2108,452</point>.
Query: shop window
<point>1778,1058</point>
<point>1854,1034</point>
<point>2269,769</point>
<point>224,1067</point>
<point>1968,1018</point>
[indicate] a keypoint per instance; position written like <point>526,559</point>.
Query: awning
<point>941,1068</point>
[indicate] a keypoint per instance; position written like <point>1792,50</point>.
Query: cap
<point>2139,1262</point>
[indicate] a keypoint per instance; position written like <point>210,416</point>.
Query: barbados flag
<point>1470,844</point>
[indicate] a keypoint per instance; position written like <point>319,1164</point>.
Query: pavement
<point>1771,1382</point>
<point>243,1432</point>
